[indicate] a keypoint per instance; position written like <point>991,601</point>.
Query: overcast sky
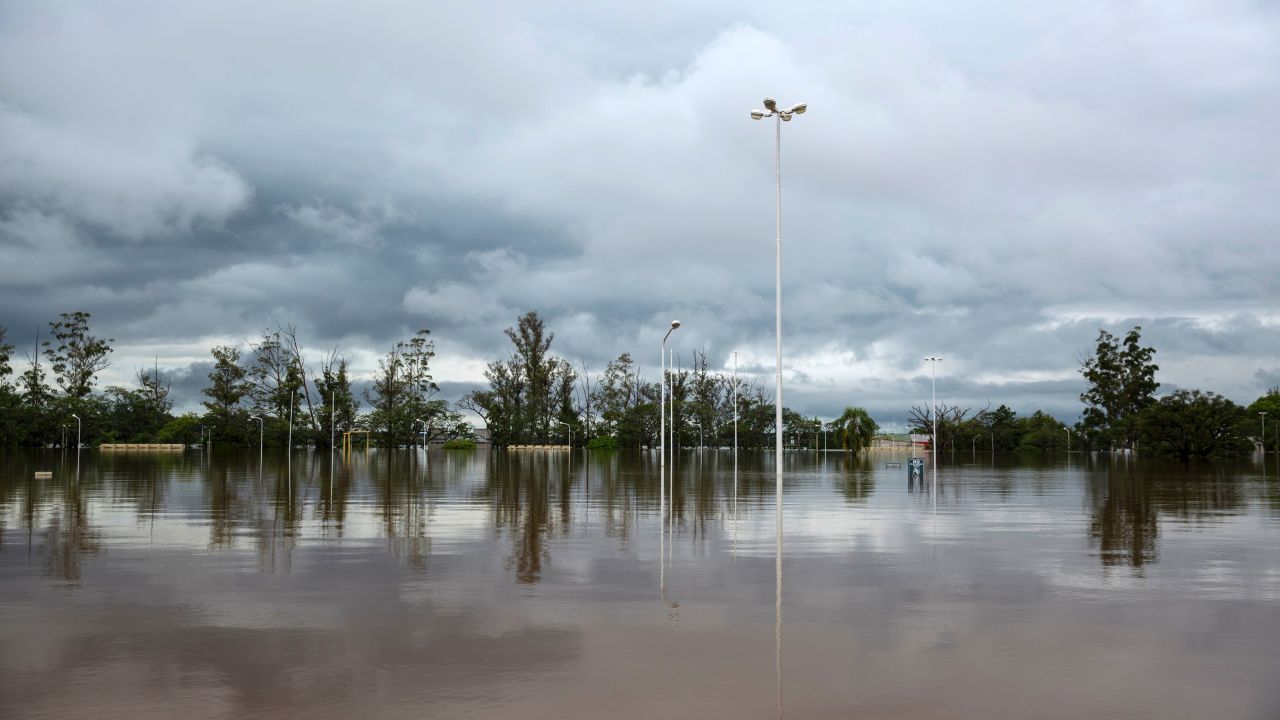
<point>987,181</point>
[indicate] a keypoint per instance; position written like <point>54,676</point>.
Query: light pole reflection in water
<point>777,616</point>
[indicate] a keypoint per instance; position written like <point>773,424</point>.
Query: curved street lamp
<point>259,419</point>
<point>662,421</point>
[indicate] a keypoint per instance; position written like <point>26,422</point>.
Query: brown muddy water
<point>538,585</point>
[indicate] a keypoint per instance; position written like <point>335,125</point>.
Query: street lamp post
<point>735,418</point>
<point>423,432</point>
<point>662,422</point>
<point>293,398</point>
<point>1262,439</point>
<point>1068,438</point>
<point>77,417</point>
<point>772,110</point>
<point>570,433</point>
<point>259,419</point>
<point>933,413</point>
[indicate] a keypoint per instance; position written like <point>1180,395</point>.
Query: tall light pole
<point>259,419</point>
<point>1262,439</point>
<point>1068,438</point>
<point>662,422</point>
<point>735,418</point>
<point>933,414</point>
<point>77,417</point>
<point>780,116</point>
<point>570,433</point>
<point>293,398</point>
<point>422,433</point>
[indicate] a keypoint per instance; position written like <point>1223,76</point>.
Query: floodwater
<point>536,585</point>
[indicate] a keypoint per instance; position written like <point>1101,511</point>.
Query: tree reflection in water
<point>521,505</point>
<point>1127,500</point>
<point>244,500</point>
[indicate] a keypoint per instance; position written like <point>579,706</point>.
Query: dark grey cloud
<point>991,184</point>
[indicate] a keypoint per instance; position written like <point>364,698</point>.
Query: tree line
<point>534,396</point>
<point>1122,411</point>
<point>267,393</point>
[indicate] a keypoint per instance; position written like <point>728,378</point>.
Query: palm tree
<point>855,429</point>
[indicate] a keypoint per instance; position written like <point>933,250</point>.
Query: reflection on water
<point>540,585</point>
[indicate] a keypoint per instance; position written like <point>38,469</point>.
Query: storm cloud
<point>991,182</point>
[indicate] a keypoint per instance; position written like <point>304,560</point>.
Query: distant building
<point>920,441</point>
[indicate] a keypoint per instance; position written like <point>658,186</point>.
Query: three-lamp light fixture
<point>771,109</point>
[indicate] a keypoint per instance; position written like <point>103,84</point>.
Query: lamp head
<point>756,114</point>
<point>675,324</point>
<point>799,108</point>
<point>770,104</point>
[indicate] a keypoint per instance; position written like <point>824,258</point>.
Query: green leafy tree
<point>530,392</point>
<point>499,407</point>
<point>1270,404</point>
<point>623,404</point>
<point>338,405</point>
<point>1121,378</point>
<point>274,379</point>
<point>402,391</point>
<point>532,344</point>
<point>183,429</point>
<point>227,387</point>
<point>855,430</point>
<point>1191,423</point>
<point>1005,427</point>
<point>6,355</point>
<point>75,355</point>
<point>10,404</point>
<point>1042,432</point>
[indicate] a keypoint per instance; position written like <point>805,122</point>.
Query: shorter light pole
<point>570,433</point>
<point>1068,438</point>
<point>77,417</point>
<point>259,419</point>
<point>1262,439</point>
<point>293,397</point>
<point>422,433</point>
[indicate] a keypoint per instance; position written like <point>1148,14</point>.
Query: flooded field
<point>402,584</point>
